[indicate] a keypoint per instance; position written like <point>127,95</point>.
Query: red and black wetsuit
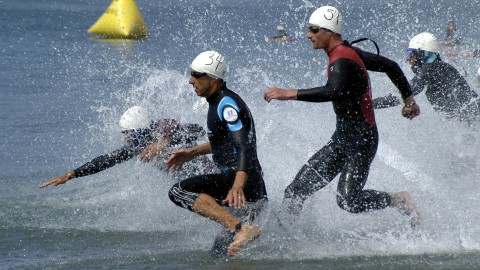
<point>354,143</point>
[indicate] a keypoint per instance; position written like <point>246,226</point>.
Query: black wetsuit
<point>178,135</point>
<point>231,133</point>
<point>354,143</point>
<point>446,90</point>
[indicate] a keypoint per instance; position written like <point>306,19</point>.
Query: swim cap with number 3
<point>212,63</point>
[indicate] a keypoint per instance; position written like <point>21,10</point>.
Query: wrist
<point>70,175</point>
<point>410,104</point>
<point>293,93</point>
<point>237,187</point>
<point>409,101</point>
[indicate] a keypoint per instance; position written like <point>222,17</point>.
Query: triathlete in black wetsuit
<point>231,133</point>
<point>445,88</point>
<point>354,143</point>
<point>232,141</point>
<point>142,137</point>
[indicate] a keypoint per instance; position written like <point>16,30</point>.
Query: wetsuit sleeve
<point>378,63</point>
<point>238,131</point>
<point>101,163</point>
<point>386,102</point>
<point>186,134</point>
<point>243,146</point>
<point>341,74</point>
<point>417,85</point>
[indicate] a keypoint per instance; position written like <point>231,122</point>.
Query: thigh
<point>356,169</point>
<point>319,170</point>
<point>255,186</point>
<point>215,185</point>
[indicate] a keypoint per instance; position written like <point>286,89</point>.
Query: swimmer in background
<point>143,137</point>
<point>281,36</point>
<point>453,41</point>
<point>445,88</point>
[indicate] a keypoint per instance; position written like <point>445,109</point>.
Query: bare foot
<point>246,234</point>
<point>404,203</point>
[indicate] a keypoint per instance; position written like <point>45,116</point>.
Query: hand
<point>149,152</point>
<point>279,93</point>
<point>411,109</point>
<point>58,180</point>
<point>411,112</point>
<point>235,197</point>
<point>178,158</point>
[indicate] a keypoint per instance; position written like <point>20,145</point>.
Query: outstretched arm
<point>59,180</point>
<point>280,94</point>
<point>180,156</point>
<point>96,165</point>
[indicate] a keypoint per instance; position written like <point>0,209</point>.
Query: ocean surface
<point>62,92</point>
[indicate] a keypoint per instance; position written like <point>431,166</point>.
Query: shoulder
<point>342,55</point>
<point>343,51</point>
<point>442,66</point>
<point>228,108</point>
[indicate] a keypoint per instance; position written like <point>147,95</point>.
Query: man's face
<point>202,83</point>
<point>318,36</point>
<point>411,56</point>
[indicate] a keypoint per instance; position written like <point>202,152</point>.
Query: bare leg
<point>404,203</point>
<point>206,206</point>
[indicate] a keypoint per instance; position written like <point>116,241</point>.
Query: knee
<point>298,190</point>
<point>171,193</point>
<point>289,192</point>
<point>293,200</point>
<point>181,198</point>
<point>348,203</point>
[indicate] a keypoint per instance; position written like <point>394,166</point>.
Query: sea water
<point>62,93</point>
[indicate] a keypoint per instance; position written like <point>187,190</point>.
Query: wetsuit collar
<point>211,98</point>
<point>334,48</point>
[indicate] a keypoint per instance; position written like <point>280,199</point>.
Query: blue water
<point>62,93</point>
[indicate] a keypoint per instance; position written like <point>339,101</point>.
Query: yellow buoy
<point>122,19</point>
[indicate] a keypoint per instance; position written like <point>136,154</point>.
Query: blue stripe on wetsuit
<point>229,102</point>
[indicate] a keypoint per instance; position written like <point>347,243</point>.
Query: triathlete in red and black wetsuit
<point>355,141</point>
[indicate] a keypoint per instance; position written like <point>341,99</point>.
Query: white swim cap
<point>212,63</point>
<point>135,118</point>
<point>424,41</point>
<point>327,17</point>
<point>280,28</point>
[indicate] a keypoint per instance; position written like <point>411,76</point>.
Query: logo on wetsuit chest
<point>230,114</point>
